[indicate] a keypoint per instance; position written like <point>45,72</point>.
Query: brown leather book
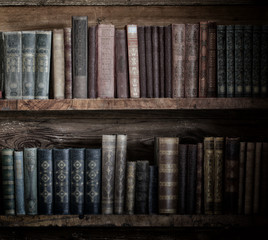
<point>130,187</point>
<point>155,50</point>
<point>58,64</point>
<point>168,148</point>
<point>149,60</point>
<point>162,61</point>
<point>241,183</point>
<point>191,60</point>
<point>257,179</point>
<point>105,76</point>
<point>264,180</point>
<point>121,67</point>
<point>178,60</point>
<point>199,179</point>
<point>133,61</point>
<point>168,61</point>
<point>68,63</point>
<point>92,62</point>
<point>203,60</point>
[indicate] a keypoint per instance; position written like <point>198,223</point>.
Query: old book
<point>19,182</point>
<point>13,67</point>
<point>28,64</point>
<point>191,60</point>
<point>249,178</point>
<point>182,177</point>
<point>141,187</point>
<point>230,59</point>
<point>247,53</point>
<point>80,56</point>
<point>58,64</point>
<point>155,53</point>
<point>209,159</point>
<point>133,61</point>
<point>45,181</point>
<point>264,180</point>
<point>264,62</point>
<point>178,60</point>
<point>199,179</point>
<point>92,62</point>
<point>203,59</point>
<point>2,76</point>
<point>120,173</point>
<point>221,61</point>
<point>68,63</point>
<point>30,180</point>
<point>256,60</point>
<point>241,183</point>
<point>142,62</point>
<point>168,61</point>
<point>257,178</point>
<point>149,61</point>
<point>168,148</point>
<point>61,178</point>
<point>105,51</point>
<point>130,187</point>
<point>92,181</point>
<point>161,61</point>
<point>43,59</point>
<point>121,66</point>
<point>153,190</point>
<point>8,187</point>
<point>108,173</point>
<point>77,160</point>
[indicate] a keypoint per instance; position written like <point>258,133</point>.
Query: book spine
<point>264,61</point>
<point>153,190</point>
<point>30,180</point>
<point>13,66</point>
<point>168,61</point>
<point>2,67</point>
<point>182,173</point>
<point>120,173</point>
<point>19,182</point>
<point>8,182</point>
<point>121,66</point>
<point>28,64</point>
<point>191,60</point>
<point>221,61</point>
<point>203,60</point>
<point>130,187</point>
<point>155,51</point>
<point>161,62</point>
<point>241,183</point>
<point>45,181</point>
<point>264,180</point>
<point>142,62</point>
<point>92,62</point>
<point>142,186</point>
<point>68,63</point>
<point>133,61</point>
<point>178,60</point>
<point>108,173</point>
<point>43,58</point>
<point>58,64</point>
<point>230,58</point>
<point>256,60</point>
<point>80,58</point>
<point>93,181</point>
<point>257,182</point>
<point>149,60</point>
<point>247,60</point>
<point>168,174</point>
<point>208,175</point>
<point>199,179</point>
<point>105,76</point>
<point>61,179</point>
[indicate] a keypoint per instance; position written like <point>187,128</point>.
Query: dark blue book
<point>230,58</point>
<point>221,60</point>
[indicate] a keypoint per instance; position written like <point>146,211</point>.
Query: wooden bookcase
<point>76,122</point>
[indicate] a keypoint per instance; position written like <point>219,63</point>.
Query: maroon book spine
<point>168,61</point>
<point>92,62</point>
<point>68,62</point>
<point>149,60</point>
<point>142,61</point>
<point>155,49</point>
<point>161,61</point>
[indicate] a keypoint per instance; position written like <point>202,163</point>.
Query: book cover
<point>149,60</point>
<point>161,61</point>
<point>264,62</point>
<point>241,183</point>
<point>257,179</point>
<point>168,61</point>
<point>182,177</point>
<point>221,61</point>
<point>68,63</point>
<point>155,53</point>
<point>230,60</point>
<point>256,60</point>
<point>153,190</point>
<point>92,62</point>
<point>199,179</point>
<point>130,186</point>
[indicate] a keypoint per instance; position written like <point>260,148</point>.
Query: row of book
<point>178,60</point>
<point>218,176</point>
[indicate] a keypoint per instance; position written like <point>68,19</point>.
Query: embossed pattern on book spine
<point>221,61</point>
<point>230,58</point>
<point>130,187</point>
<point>68,62</point>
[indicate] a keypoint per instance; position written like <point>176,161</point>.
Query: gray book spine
<point>2,76</point>
<point>230,58</point>
<point>130,187</point>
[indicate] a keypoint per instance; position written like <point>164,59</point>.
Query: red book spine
<point>68,63</point>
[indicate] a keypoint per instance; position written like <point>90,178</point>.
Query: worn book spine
<point>178,60</point>
<point>153,190</point>
<point>121,66</point>
<point>2,67</point>
<point>168,61</point>
<point>92,62</point>
<point>199,179</point>
<point>209,175</point>
<point>149,60</point>
<point>61,177</point>
<point>108,173</point>
<point>155,53</point>
<point>130,187</point>
<point>133,61</point>
<point>13,66</point>
<point>161,61</point>
<point>142,62</point>
<point>30,180</point>
<point>203,60</point>
<point>141,187</point>
<point>77,160</point>
<point>120,173</point>
<point>93,181</point>
<point>241,182</point>
<point>257,179</point>
<point>19,182</point>
<point>191,60</point>
<point>230,59</point>
<point>28,64</point>
<point>80,56</point>
<point>182,174</point>
<point>168,148</point>
<point>8,187</point>
<point>221,61</point>
<point>45,181</point>
<point>256,60</point>
<point>68,63</point>
<point>58,64</point>
<point>105,50</point>
<point>264,180</point>
<point>264,62</point>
